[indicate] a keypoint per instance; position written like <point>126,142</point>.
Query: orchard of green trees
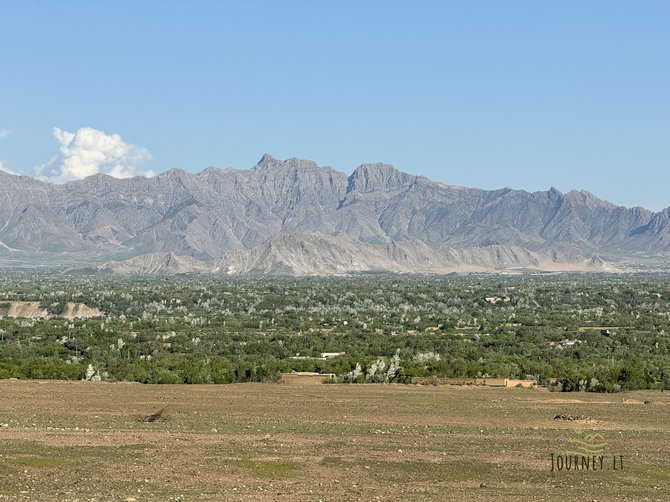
<point>573,332</point>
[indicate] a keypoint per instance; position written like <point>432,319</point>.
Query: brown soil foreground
<point>89,441</point>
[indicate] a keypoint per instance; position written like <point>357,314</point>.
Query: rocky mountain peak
<point>173,173</point>
<point>378,176</point>
<point>266,160</point>
<point>268,163</point>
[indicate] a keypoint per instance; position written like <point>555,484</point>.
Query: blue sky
<point>524,94</point>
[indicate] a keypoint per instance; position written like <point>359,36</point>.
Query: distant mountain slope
<point>208,214</point>
<point>311,253</point>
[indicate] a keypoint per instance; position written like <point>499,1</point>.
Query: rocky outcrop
<point>33,310</point>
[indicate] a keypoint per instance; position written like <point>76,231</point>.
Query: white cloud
<point>4,133</point>
<point>88,152</point>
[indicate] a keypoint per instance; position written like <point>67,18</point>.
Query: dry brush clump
<point>159,416</point>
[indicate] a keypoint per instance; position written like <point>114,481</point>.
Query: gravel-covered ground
<point>87,441</point>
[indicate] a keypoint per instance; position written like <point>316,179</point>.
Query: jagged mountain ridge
<point>312,253</point>
<point>208,214</point>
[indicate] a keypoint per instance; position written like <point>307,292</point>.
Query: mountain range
<point>209,214</point>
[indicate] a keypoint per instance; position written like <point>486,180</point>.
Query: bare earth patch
<point>83,441</point>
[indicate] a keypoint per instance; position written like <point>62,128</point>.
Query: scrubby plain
<point>87,441</point>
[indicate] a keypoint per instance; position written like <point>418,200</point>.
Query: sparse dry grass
<point>82,441</point>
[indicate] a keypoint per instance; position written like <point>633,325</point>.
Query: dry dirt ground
<point>85,441</point>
